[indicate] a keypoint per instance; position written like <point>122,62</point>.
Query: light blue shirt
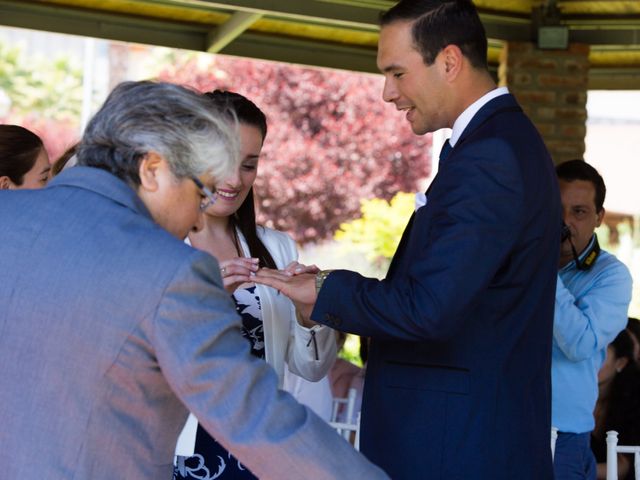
<point>591,309</point>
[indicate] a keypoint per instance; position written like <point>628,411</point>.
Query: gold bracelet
<point>320,277</point>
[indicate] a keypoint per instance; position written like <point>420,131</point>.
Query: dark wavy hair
<point>623,409</point>
<point>244,219</point>
<point>19,149</point>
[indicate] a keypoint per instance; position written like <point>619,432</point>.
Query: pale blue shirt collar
<point>587,249</point>
<point>465,117</point>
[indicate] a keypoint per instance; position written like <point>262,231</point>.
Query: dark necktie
<point>446,149</point>
<point>444,153</point>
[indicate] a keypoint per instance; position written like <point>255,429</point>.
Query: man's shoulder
<point>608,263</point>
<point>176,255</point>
<point>607,275</point>
<point>118,234</point>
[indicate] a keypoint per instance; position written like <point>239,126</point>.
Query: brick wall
<point>551,86</point>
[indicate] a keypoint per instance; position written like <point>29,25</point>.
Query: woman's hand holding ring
<point>236,271</point>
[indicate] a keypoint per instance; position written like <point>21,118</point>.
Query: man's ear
<point>150,167</point>
<point>599,217</point>
<point>452,57</point>
<point>621,363</point>
<point>5,183</point>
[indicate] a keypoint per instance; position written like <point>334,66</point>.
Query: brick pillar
<point>551,86</point>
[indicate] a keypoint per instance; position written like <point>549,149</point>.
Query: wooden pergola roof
<point>332,33</point>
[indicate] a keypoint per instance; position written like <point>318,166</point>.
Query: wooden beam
<point>199,37</point>
<point>335,13</point>
<point>226,33</point>
<point>303,52</point>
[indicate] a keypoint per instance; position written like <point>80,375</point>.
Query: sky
<point>615,105</point>
<point>613,146</point>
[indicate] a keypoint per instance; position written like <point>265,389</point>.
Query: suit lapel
<point>500,104</point>
<point>401,246</point>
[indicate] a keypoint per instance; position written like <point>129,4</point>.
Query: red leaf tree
<point>332,141</point>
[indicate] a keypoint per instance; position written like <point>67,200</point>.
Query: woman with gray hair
<point>193,137</point>
<point>154,136</point>
<point>131,327</point>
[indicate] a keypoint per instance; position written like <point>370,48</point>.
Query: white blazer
<point>286,341</point>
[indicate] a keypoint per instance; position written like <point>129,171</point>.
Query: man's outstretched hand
<point>300,288</point>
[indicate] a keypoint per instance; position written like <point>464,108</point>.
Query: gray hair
<point>183,126</point>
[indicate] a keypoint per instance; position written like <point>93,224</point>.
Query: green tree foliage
<point>51,88</point>
<point>377,232</point>
<point>44,95</point>
<point>350,351</point>
<point>12,73</point>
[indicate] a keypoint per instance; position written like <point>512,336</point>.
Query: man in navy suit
<point>458,379</point>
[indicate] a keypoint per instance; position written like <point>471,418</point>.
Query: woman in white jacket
<point>269,320</point>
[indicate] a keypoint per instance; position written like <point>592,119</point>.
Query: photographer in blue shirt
<point>592,298</point>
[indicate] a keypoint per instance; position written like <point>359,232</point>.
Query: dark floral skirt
<point>210,461</point>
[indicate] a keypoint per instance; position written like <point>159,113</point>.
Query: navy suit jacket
<point>458,379</point>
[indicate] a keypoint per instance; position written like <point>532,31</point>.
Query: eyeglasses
<point>209,197</point>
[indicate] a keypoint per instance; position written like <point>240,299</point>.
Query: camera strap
<point>590,256</point>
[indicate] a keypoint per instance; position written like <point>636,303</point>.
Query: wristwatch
<point>320,276</point>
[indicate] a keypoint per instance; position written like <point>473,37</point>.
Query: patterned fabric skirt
<point>211,460</point>
<point>219,462</point>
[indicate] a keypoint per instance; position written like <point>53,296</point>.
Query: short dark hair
<point>243,109</point>
<point>19,149</point>
<point>440,23</point>
<point>622,407</point>
<point>578,169</point>
<point>633,325</point>
<point>623,345</point>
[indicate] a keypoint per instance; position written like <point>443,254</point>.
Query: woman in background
<point>269,320</point>
<point>24,162</point>
<point>618,405</point>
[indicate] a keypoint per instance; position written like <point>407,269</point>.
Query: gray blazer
<point>110,329</point>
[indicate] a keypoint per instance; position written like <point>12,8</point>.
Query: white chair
<point>342,417</point>
<point>612,456</point>
<point>342,410</point>
<point>345,429</point>
<point>554,437</point>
